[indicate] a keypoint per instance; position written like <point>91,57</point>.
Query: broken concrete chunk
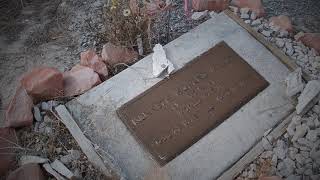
<point>79,79</point>
<point>37,114</point>
<point>27,172</point>
<point>61,169</point>
<point>309,96</point>
<point>19,113</point>
<point>294,82</point>
<point>199,15</point>
<point>256,22</point>
<point>160,62</point>
<point>49,169</point>
<point>32,159</point>
<point>301,130</point>
<point>266,33</point>
<point>244,16</point>
<point>43,83</point>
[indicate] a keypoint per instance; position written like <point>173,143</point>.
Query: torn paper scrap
<point>160,61</point>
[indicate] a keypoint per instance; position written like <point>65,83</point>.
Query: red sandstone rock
<point>19,112</point>
<point>7,155</point>
<point>112,54</point>
<point>282,22</point>
<point>254,5</point>
<point>43,83</point>
<point>90,59</point>
<point>79,79</point>
<point>211,5</point>
<point>29,171</point>
<point>311,40</point>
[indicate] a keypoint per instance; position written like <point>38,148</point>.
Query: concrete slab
<point>95,111</point>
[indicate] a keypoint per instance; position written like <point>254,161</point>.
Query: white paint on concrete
<point>95,111</point>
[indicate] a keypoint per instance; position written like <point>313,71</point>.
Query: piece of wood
<point>286,60</point>
<point>240,165</point>
<point>84,143</point>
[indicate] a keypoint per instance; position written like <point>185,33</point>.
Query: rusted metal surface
<point>175,113</point>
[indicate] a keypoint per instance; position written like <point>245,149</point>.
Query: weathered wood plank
<point>84,143</point>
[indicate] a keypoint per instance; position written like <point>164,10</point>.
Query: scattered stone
<point>309,97</point>
<point>112,54</point>
<point>199,15</point>
<point>43,83</point>
<point>79,79</point>
<point>279,43</point>
<point>316,109</point>
<point>49,169</point>
<point>266,33</point>
<point>234,9</point>
<point>213,14</point>
<point>73,155</point>
<point>7,155</point>
<point>244,10</point>
<point>266,154</point>
<point>253,16</point>
<point>280,150</point>
<point>46,106</point>
<point>294,82</point>
<point>292,152</point>
<point>293,177</point>
<point>32,159</point>
<point>282,22</point>
<point>283,34</point>
<point>256,22</point>
<point>244,16</point>
<point>247,21</point>
<point>299,158</point>
<point>37,114</point>
<point>90,59</point>
<point>312,135</point>
<point>301,130</point>
<point>61,169</point>
<point>28,171</point>
<point>274,160</point>
<point>19,113</point>
<point>254,5</point>
<point>305,142</point>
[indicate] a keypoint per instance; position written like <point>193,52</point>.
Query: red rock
<point>311,40</point>
<point>254,5</point>
<point>43,83</point>
<point>211,5</point>
<point>113,54</point>
<point>7,155</point>
<point>79,79</point>
<point>19,112</point>
<point>270,178</point>
<point>90,59</point>
<point>282,22</point>
<point>29,171</point>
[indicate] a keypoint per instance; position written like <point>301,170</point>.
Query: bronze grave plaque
<point>176,112</point>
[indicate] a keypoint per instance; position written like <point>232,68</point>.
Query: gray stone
<point>305,154</point>
<point>247,21</point>
<point>266,144</point>
<point>289,51</point>
<point>293,177</point>
<point>274,160</point>
<point>308,172</point>
<point>316,122</point>
<point>309,97</point>
<point>253,16</point>
<point>266,154</point>
<point>283,34</point>
<point>299,158</point>
<point>312,135</point>
<point>279,43</point>
<point>266,33</point>
<point>244,10</point>
<point>280,150</point>
<point>46,106</point>
<point>244,16</point>
<point>314,154</point>
<point>256,22</point>
<point>73,155</point>
<point>305,142</point>
<point>199,15</point>
<point>301,130</point>
<point>292,152</point>
<point>316,109</point>
<point>32,159</point>
<point>37,114</point>
<point>47,119</point>
<point>294,82</point>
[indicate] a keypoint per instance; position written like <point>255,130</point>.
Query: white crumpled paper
<point>160,61</point>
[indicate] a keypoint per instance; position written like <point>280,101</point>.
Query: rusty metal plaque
<point>176,112</point>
